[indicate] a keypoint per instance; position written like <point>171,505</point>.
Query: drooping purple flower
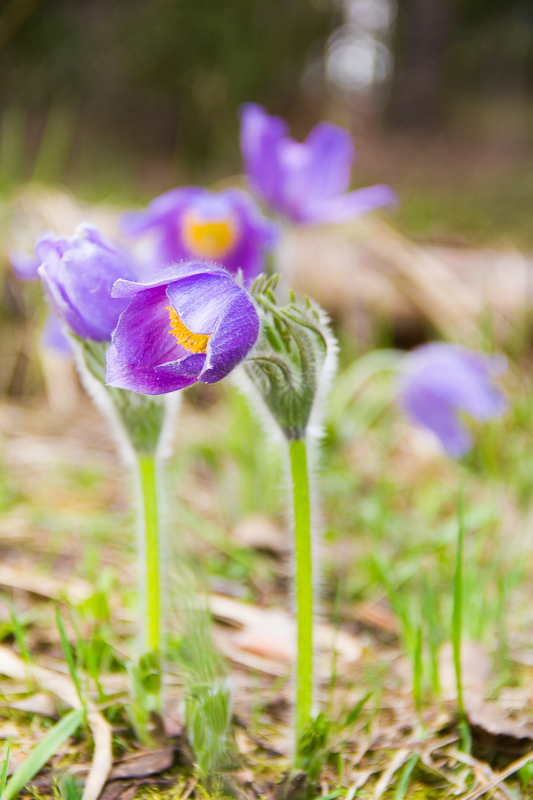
<point>78,274</point>
<point>193,223</point>
<point>192,322</point>
<point>306,182</point>
<point>441,380</point>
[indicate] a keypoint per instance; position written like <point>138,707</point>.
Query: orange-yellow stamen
<point>193,342</point>
<point>208,238</point>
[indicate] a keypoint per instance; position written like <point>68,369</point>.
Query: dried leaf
<point>262,533</point>
<point>141,764</point>
<point>490,721</point>
<point>476,669</point>
<point>75,591</point>
<point>42,703</point>
<point>271,633</point>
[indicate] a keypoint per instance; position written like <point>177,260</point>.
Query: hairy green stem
<point>152,588</point>
<point>304,588</point>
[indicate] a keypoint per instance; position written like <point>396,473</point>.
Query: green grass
<point>389,506</point>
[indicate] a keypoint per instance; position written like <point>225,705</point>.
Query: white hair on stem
<point>313,434</point>
<point>103,400</point>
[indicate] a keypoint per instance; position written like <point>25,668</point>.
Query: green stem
<point>304,588</point>
<point>457,624</point>
<point>152,600</point>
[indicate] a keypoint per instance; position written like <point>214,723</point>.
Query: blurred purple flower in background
<point>440,380</point>
<point>192,322</point>
<point>193,223</point>
<point>78,274</point>
<point>306,182</point>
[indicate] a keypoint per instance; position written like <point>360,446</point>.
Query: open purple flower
<point>78,274</point>
<point>440,380</point>
<point>193,223</point>
<point>192,322</point>
<point>306,182</point>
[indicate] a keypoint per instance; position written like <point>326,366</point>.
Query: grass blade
<point>355,713</point>
<point>405,777</point>
<point>69,657</point>
<point>3,775</point>
<point>43,752</point>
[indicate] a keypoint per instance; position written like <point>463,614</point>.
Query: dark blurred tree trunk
<point>423,32</point>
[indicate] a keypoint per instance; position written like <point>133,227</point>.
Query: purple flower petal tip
<point>193,223</point>
<point>192,322</point>
<point>53,337</point>
<point>440,380</point>
<point>306,182</point>
<point>24,265</point>
<point>78,274</point>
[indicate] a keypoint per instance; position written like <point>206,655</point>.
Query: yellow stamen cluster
<point>193,342</point>
<point>208,238</point>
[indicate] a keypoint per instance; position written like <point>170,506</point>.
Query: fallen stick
<point>514,767</point>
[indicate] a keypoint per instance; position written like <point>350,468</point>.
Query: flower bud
<point>292,365</point>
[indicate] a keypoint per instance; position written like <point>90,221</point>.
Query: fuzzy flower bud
<point>292,365</point>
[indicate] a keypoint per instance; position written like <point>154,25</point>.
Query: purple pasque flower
<point>306,182</point>
<point>441,380</point>
<point>78,274</point>
<point>192,322</point>
<point>193,223</point>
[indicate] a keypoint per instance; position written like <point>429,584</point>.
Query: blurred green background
<point>121,99</point>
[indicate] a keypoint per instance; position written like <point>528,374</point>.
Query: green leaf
<point>405,777</point>
<point>43,752</point>
<point>3,775</point>
<point>355,713</point>
<point>525,775</point>
<point>69,658</point>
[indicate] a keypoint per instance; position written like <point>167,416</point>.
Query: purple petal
<point>126,288</point>
<point>201,299</point>
<point>61,305</point>
<point>87,276</point>
<point>257,235</point>
<point>261,135</point>
<point>142,337</point>
<point>53,338</point>
<point>148,380</point>
<point>317,169</point>
<point>351,205</point>
<point>160,211</point>
<point>431,411</point>
<point>50,247</point>
<point>24,265</point>
<point>232,339</point>
<point>440,380</point>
